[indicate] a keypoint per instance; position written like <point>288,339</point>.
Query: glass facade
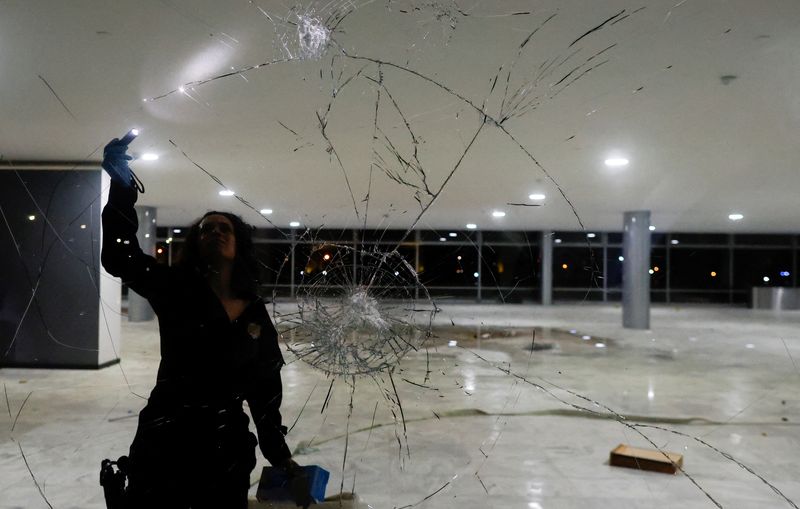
<point>505,266</point>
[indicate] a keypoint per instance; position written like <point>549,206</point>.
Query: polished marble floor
<point>483,420</point>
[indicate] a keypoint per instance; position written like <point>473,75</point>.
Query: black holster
<point>114,482</point>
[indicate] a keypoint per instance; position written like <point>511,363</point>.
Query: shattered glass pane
<point>376,129</point>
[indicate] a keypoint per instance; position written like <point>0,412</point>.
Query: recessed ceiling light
<point>557,241</point>
<point>616,162</point>
<point>266,212</point>
<point>498,213</point>
<point>31,218</point>
<point>536,196</point>
<point>591,235</point>
<point>452,234</point>
<point>766,279</point>
<point>227,192</point>
<point>736,217</point>
<point>83,227</point>
<point>471,226</point>
<point>176,230</point>
<point>149,157</point>
<point>294,224</point>
<point>475,274</point>
<point>442,239</point>
<point>652,228</point>
<point>621,258</point>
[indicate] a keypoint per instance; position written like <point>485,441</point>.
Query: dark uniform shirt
<point>209,364</point>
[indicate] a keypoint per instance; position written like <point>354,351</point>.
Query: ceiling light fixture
<point>471,226</point>
<point>616,162</point>
<point>652,228</point>
<point>266,212</point>
<point>226,192</point>
<point>735,217</point>
<point>498,213</point>
<point>149,156</point>
<point>452,234</point>
<point>536,196</point>
<point>294,224</point>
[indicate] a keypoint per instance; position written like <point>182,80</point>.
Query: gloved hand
<point>299,485</point>
<point>115,160</point>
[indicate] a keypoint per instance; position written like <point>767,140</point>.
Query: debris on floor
<point>645,459</point>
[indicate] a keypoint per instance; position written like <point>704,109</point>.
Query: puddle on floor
<point>541,339</point>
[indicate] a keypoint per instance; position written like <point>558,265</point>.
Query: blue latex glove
<point>115,160</point>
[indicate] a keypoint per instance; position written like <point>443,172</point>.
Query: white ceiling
<point>699,149</point>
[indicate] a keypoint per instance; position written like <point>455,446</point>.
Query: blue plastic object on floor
<point>273,483</point>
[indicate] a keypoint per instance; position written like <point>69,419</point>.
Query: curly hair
<point>244,278</point>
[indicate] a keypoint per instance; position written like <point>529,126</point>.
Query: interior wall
<point>51,283</point>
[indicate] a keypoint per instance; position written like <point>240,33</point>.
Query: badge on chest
<point>254,330</point>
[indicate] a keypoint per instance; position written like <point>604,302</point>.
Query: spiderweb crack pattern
<point>358,322</point>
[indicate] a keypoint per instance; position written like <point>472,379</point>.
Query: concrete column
<point>547,268</point>
<point>636,270</point>
<point>139,309</point>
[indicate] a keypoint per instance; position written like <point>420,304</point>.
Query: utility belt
<point>179,429</point>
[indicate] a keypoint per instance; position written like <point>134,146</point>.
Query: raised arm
<point>121,255</point>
